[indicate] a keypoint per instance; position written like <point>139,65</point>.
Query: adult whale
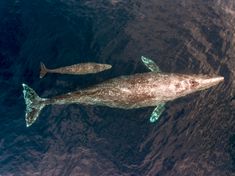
<point>127,92</point>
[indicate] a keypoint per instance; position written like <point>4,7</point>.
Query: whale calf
<point>126,92</point>
<point>76,69</point>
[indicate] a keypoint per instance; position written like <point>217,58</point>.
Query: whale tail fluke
<point>43,70</point>
<point>34,105</point>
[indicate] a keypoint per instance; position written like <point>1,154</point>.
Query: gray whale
<point>127,92</point>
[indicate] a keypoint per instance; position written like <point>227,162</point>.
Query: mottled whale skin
<point>76,69</point>
<point>126,92</point>
<point>138,90</point>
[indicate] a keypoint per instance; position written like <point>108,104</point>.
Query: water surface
<point>195,135</point>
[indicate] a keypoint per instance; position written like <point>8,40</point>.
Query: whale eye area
<point>193,83</point>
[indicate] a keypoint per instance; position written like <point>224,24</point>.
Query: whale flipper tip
<point>150,64</point>
<point>157,112</point>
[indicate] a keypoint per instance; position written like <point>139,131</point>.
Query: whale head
<point>205,82</point>
<point>186,84</point>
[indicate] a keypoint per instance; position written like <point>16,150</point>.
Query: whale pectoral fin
<point>150,64</point>
<point>157,112</point>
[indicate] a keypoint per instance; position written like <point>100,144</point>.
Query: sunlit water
<point>194,136</point>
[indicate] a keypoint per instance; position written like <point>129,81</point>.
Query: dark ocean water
<point>195,135</point>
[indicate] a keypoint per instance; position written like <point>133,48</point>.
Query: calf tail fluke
<point>43,70</point>
<point>34,104</point>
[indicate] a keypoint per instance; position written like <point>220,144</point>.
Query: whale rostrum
<point>150,89</point>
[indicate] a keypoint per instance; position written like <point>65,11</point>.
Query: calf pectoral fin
<point>151,65</point>
<point>157,112</point>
